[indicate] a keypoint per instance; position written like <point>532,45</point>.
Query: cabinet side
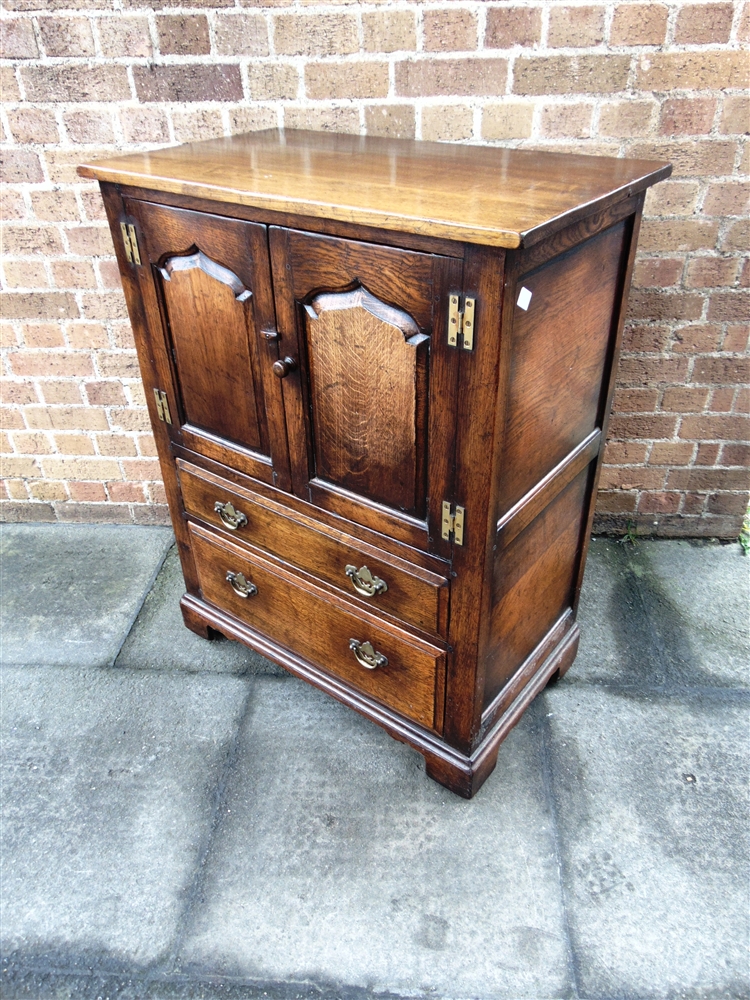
<point>565,302</point>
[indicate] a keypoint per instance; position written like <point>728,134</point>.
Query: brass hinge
<point>453,523</point>
<point>162,406</point>
<point>461,322</point>
<point>130,241</point>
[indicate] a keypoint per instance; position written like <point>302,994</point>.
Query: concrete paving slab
<point>664,614</point>
<point>652,808</point>
<point>339,863</point>
<point>109,783</point>
<point>159,639</point>
<point>71,591</point>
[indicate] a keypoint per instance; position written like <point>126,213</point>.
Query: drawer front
<point>305,622</point>
<point>383,583</point>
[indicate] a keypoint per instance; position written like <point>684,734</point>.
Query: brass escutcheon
<point>231,518</point>
<point>364,582</point>
<point>241,586</point>
<point>366,655</point>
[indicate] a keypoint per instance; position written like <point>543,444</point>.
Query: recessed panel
<point>561,336</point>
<point>209,312</point>
<point>533,583</point>
<point>367,367</point>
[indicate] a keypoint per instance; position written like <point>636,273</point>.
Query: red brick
<point>727,198</point>
<point>73,274</point>
<point>735,115</point>
<point>709,479</point>
<point>449,30</point>
<point>736,338</point>
<point>735,454</point>
<point>509,26</point>
<point>27,239</point>
<point>586,74</point>
<point>126,492</point>
<point>668,71</point>
<point>731,428</point>
<point>389,31</point>
<point>722,399</point>
<point>657,272</point>
<point>87,491</point>
<point>89,126</point>
<point>659,503</point>
<point>734,305</point>
<point>48,364</point>
<point>17,40</point>
<point>561,120</point>
<point>346,80</point>
<point>687,116</point>
<point>703,23</point>
<point>190,82</point>
<point>742,401</point>
<point>38,305</point>
<point>105,393</point>
<point>615,503</point>
<point>644,426</point>
<point>453,77</point>
<point>645,339</point>
<point>671,453</point>
<point>397,120</point>
<point>20,166</point>
<point>66,36</point>
<point>648,371</point>
<point>721,371</point>
<point>635,400</point>
<point>315,34</point>
<point>737,237</point>
<point>144,124</point>
<point>76,83</point>
<point>693,503</point>
<point>183,34</point>
<point>711,272</point>
<point>241,35</point>
<point>655,305</point>
<point>728,503</point>
<point>624,453</point>
<point>672,198</point>
<point>707,453</point>
<point>639,24</point>
<point>125,36</point>
<point>696,339</point>
<point>631,478</point>
<point>678,234</point>
<point>55,206</point>
<point>578,27</point>
<point>683,399</point>
<point>43,335</point>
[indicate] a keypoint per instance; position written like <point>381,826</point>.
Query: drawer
<point>307,621</point>
<point>410,593</point>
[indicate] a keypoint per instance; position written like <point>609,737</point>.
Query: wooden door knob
<point>282,368</point>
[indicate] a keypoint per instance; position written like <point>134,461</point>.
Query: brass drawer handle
<point>364,582</point>
<point>241,586</point>
<point>231,518</point>
<point>367,657</point>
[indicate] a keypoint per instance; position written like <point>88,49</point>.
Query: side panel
<point>561,352</point>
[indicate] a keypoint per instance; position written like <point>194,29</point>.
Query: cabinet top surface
<point>476,194</point>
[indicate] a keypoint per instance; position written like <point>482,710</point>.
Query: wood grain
<point>414,595</point>
<point>317,627</point>
<point>367,364</point>
<point>470,193</point>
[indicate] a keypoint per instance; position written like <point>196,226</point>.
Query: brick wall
<point>82,78</point>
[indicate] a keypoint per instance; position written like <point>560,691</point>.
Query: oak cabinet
<point>379,373</point>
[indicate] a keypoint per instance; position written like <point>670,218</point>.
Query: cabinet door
<point>207,292</point>
<point>370,382</point>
